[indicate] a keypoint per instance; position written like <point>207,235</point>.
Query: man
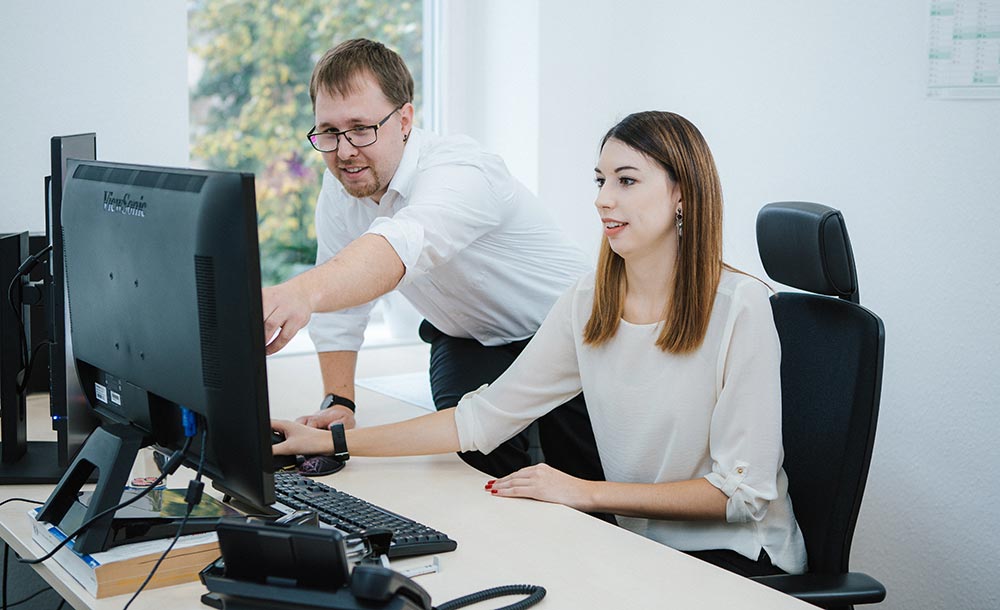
<point>443,223</point>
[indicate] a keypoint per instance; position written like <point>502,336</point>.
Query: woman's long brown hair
<point>678,146</point>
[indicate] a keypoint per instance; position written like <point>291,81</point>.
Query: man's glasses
<point>359,137</point>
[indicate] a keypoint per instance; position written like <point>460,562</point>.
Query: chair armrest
<point>828,589</point>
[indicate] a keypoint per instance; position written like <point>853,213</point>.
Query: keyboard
<point>352,515</point>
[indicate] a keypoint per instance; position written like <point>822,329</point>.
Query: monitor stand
<point>112,450</point>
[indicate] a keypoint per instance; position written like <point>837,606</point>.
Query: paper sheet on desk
<point>412,388</point>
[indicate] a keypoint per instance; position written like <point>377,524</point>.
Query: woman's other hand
<point>543,482</point>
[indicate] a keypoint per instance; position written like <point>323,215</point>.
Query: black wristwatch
<point>339,442</point>
<point>332,399</point>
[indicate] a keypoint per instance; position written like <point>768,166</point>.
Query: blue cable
<point>189,419</point>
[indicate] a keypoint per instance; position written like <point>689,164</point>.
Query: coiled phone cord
<point>534,593</point>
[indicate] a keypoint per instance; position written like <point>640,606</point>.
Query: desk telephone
<point>301,567</point>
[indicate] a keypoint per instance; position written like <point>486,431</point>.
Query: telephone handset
<point>381,585</point>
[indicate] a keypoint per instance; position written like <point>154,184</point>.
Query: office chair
<point>831,381</point>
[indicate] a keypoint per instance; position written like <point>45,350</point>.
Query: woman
<point>678,357</point>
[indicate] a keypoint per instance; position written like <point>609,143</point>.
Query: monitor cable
<point>27,355</point>
<point>6,554</point>
<point>39,502</point>
<point>193,497</point>
<point>25,374</point>
<point>23,355</point>
<point>6,562</point>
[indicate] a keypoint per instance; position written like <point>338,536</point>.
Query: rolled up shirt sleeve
<point>342,330</point>
<point>544,376</point>
<point>449,208</point>
<point>745,436</point>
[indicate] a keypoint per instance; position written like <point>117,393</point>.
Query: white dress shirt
<point>660,417</point>
<point>484,260</point>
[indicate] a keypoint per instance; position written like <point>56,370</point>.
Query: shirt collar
<point>402,180</point>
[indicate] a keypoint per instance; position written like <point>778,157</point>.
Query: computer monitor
<point>163,281</point>
<point>71,417</point>
<point>37,461</point>
<point>17,463</point>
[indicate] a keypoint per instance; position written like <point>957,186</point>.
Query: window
<point>250,64</point>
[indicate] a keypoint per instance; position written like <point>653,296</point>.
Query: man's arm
<point>338,370</point>
<point>364,270</point>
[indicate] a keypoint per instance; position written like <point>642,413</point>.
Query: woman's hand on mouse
<point>301,440</point>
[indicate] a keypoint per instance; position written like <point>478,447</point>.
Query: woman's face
<point>636,199</point>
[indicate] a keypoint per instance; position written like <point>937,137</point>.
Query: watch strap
<point>332,399</point>
<point>339,442</point>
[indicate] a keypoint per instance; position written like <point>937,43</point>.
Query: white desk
<point>581,561</point>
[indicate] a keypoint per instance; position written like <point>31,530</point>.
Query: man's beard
<point>365,190</point>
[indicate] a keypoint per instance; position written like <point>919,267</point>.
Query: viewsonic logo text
<point>124,204</point>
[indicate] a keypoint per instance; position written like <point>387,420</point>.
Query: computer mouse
<point>277,437</point>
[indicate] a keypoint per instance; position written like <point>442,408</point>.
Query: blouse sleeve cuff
<point>744,504</point>
<point>470,432</point>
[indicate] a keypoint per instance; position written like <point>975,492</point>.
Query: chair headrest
<point>805,245</point>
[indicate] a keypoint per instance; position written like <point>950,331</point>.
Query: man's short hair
<point>341,69</point>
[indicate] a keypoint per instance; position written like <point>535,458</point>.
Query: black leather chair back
<point>831,373</point>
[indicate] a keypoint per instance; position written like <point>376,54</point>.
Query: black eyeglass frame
<point>346,133</point>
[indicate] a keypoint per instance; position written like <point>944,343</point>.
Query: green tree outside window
<point>250,107</point>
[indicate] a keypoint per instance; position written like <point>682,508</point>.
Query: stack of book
<point>122,569</point>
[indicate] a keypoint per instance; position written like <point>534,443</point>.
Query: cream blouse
<point>660,417</point>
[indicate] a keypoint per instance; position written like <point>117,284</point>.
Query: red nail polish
<point>490,482</point>
<point>493,491</point>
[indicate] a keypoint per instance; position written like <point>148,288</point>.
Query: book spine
<point>48,536</point>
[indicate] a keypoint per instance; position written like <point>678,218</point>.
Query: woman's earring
<point>406,137</point>
<point>680,222</point>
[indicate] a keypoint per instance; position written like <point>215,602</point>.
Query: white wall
<point>116,67</point>
<point>825,101</point>
<point>490,79</point>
